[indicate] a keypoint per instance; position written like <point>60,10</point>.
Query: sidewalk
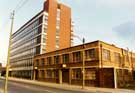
<point>1,90</point>
<point>73,87</point>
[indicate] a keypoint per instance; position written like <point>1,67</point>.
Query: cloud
<point>126,30</point>
<point>126,34</point>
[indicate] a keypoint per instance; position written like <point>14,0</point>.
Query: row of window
<point>66,58</point>
<point>26,29</point>
<point>28,37</point>
<point>24,57</point>
<point>90,54</point>
<point>114,56</point>
<point>29,52</point>
<point>57,28</point>
<point>75,74</point>
<point>89,74</point>
<point>21,73</point>
<point>28,47</point>
<point>23,63</point>
<point>48,73</point>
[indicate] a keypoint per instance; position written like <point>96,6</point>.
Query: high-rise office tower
<point>49,30</point>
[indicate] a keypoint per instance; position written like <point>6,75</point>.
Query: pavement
<point>45,87</point>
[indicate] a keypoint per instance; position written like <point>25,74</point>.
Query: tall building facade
<point>105,65</point>
<point>48,31</point>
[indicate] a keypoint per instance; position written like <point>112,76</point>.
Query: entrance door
<point>65,75</point>
<point>36,74</point>
<point>108,78</point>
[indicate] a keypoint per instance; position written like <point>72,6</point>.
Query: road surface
<point>19,87</point>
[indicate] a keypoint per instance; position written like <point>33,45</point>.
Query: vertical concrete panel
<point>60,76</point>
<point>51,30</point>
<point>65,27</point>
<point>115,77</point>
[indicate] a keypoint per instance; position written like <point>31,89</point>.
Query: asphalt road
<point>19,87</point>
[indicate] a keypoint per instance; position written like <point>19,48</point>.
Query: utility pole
<point>8,57</point>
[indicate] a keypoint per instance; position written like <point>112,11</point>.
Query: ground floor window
<point>56,74</point>
<point>48,74</point>
<point>76,73</point>
<point>39,74</point>
<point>42,73</point>
<point>90,74</point>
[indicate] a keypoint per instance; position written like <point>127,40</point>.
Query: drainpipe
<point>132,64</point>
<point>101,67</point>
<point>123,62</point>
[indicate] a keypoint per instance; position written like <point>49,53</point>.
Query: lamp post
<point>83,60</point>
<point>83,66</point>
<point>8,57</point>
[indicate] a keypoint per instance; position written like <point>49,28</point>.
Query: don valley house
<point>105,65</point>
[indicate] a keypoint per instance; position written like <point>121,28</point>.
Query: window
<point>57,42</point>
<point>90,53</point>
<point>126,72</point>
<point>65,58</point>
<point>49,60</point>
<point>56,74</point>
<point>46,19</point>
<point>56,59</point>
<point>40,19</point>
<point>48,74</point>
<point>58,16</point>
<point>89,74</point>
<point>42,73</point>
<point>76,74</point>
<point>127,58</point>
<point>37,62</point>
<point>58,23</point>
<point>57,32</point>
<point>133,61</point>
<point>44,47</point>
<point>119,72</point>
<point>117,57</point>
<point>45,28</point>
<point>77,56</point>
<point>106,54</point>
<point>44,40</point>
<point>58,13</point>
<point>42,61</point>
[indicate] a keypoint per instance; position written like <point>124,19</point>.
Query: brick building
<point>105,65</point>
<point>49,30</point>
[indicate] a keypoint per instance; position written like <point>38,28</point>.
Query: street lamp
<point>83,60</point>
<point>83,66</point>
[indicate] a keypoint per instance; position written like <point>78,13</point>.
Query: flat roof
<point>113,45</point>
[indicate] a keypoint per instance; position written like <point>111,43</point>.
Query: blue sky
<point>112,21</point>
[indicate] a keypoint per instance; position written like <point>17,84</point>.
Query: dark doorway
<point>36,74</point>
<point>108,77</point>
<point>134,75</point>
<point>65,75</point>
